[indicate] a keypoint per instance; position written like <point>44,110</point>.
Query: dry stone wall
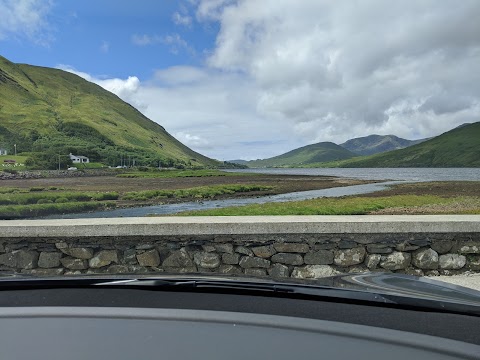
<point>273,255</point>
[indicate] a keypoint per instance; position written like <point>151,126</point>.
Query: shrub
<point>44,201</point>
<point>61,200</point>
<point>36,189</point>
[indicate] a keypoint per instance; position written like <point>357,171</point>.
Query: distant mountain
<point>320,152</point>
<point>374,144</point>
<point>240,162</point>
<point>48,112</point>
<point>459,147</point>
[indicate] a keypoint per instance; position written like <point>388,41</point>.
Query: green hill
<point>320,152</point>
<point>375,144</point>
<point>49,111</point>
<point>459,147</point>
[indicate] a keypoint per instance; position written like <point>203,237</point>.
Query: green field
<point>20,165</point>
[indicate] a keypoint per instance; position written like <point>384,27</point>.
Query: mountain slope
<point>374,144</point>
<point>50,110</point>
<point>459,147</point>
<point>320,152</point>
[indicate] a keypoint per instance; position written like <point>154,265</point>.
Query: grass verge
<point>328,206</point>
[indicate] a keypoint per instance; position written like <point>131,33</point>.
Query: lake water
<point>405,174</point>
<point>397,176</point>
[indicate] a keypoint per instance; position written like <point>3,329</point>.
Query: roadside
<point>471,281</point>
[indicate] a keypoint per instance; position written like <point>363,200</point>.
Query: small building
<point>77,159</point>
<point>3,151</point>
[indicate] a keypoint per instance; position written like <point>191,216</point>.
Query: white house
<point>3,151</point>
<point>79,159</point>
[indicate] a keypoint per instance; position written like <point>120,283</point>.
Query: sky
<point>248,79</point>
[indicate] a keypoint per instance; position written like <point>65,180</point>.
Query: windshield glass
<point>272,139</point>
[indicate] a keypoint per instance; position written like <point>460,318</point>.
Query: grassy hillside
<point>52,111</point>
<point>459,147</point>
<point>375,144</point>
<point>320,152</point>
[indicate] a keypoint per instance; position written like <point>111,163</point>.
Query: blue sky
<point>256,78</point>
<point>97,37</point>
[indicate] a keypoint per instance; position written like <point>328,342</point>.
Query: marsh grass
<point>201,192</point>
<point>327,206</point>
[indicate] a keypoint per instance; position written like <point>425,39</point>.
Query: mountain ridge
<point>46,110</point>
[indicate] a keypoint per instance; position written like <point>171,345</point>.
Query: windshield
<point>263,139</point>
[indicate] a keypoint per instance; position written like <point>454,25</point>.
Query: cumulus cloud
<point>26,19</point>
<point>193,141</point>
<point>126,89</point>
<point>336,70</point>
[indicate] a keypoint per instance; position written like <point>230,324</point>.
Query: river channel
<point>394,176</point>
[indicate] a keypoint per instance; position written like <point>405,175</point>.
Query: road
<point>470,281</point>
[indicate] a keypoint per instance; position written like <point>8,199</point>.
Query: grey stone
<point>474,263</point>
<point>255,272</point>
<point>396,261</point>
<point>61,245</point>
<point>224,248</point>
<point>44,272</point>
<point>320,257</point>
<point>279,271</point>
<point>264,251</point>
<point>180,259</point>
<point>229,269</point>
<point>72,273</point>
<point>2,248</point>
<point>426,259</point>
<point>208,248</point>
<point>326,246</point>
<point>103,258</point>
<point>291,248</point>
<point>349,257</point>
<point>49,259</point>
<point>359,269</point>
<point>313,271</point>
<point>74,263</point>
<point>254,262</point>
<point>130,257</point>
<point>452,261</point>
<point>372,261</point>
<point>181,270</point>
<point>471,247</point>
<point>144,246</point>
<point>137,269</point>
<point>432,273</point>
<point>149,258</point>
<point>78,252</point>
<point>118,269</point>
<point>414,272</point>
<point>347,244</point>
<point>207,260</point>
<point>21,259</point>
<point>244,250</point>
<point>442,246</point>
<point>379,249</point>
<point>231,259</point>
<point>406,247</point>
<point>287,258</point>
<point>420,242</point>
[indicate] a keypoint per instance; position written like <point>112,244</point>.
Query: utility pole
<point>15,146</point>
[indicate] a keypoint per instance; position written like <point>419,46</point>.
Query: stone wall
<point>286,254</point>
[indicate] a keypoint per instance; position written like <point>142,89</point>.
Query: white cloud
<point>183,20</point>
<point>26,19</point>
<point>336,70</point>
<point>193,141</point>
<point>174,41</point>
